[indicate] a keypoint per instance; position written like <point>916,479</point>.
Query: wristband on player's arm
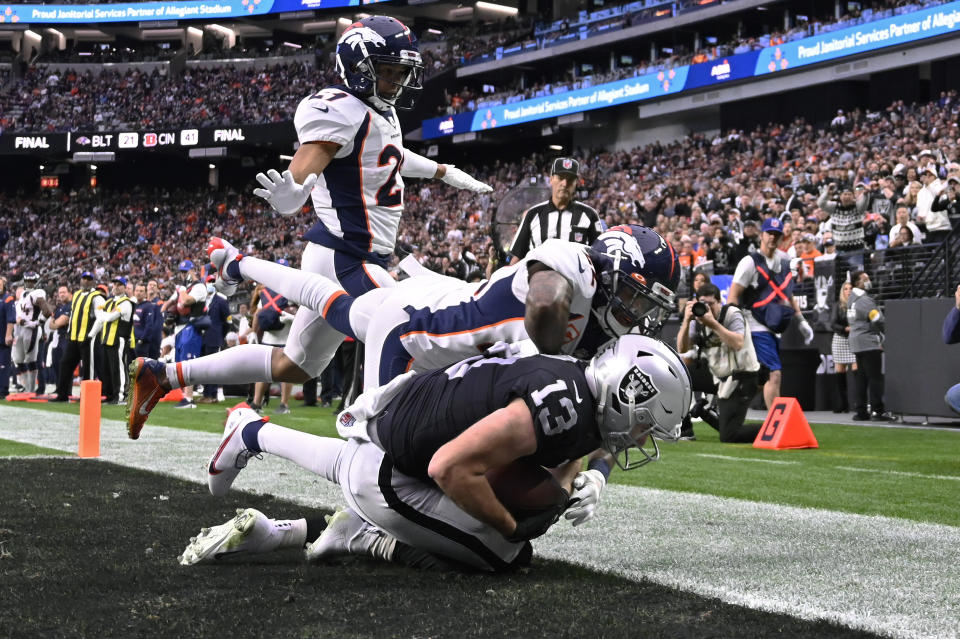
<point>601,465</point>
<point>417,166</point>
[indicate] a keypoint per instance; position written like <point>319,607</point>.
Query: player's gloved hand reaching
<point>806,331</point>
<point>462,180</point>
<point>587,487</point>
<point>282,192</point>
<point>536,524</point>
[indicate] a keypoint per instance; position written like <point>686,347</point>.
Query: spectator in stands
<point>903,221</point>
<point>936,221</point>
<point>947,203</point>
<point>866,342</point>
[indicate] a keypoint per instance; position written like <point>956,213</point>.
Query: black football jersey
<point>435,407</point>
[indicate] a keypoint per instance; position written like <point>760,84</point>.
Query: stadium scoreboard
<point>146,140</point>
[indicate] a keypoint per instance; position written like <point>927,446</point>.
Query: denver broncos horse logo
<point>361,36</point>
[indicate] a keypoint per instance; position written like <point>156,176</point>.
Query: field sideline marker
<point>89,445</point>
<point>785,427</point>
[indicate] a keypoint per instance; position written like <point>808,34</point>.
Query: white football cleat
<point>346,534</point>
<point>245,533</point>
<point>226,258</point>
<point>232,454</point>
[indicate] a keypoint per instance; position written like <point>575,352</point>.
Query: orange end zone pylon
<point>89,419</point>
<point>174,395</point>
<point>785,427</point>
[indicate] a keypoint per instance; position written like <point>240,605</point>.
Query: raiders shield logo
<point>638,386</point>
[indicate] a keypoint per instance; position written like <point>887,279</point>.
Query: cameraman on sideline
<point>723,335</point>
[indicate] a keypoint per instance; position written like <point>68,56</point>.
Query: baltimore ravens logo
<point>360,36</point>
<point>638,386</point>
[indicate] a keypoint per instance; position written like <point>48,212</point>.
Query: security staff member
<point>8,319</point>
<point>117,340</point>
<point>218,310</point>
<point>559,217</point>
<point>85,308</point>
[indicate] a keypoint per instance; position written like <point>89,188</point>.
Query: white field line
<point>745,459</point>
<point>890,576</point>
<point>902,473</point>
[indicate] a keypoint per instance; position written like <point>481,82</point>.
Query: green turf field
<point>897,472</point>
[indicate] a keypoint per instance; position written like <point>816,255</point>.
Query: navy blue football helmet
<point>639,274</point>
<point>377,40</point>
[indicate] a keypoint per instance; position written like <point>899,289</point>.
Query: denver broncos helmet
<point>639,274</point>
<point>377,40</point>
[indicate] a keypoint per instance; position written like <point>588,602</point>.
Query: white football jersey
<point>359,196</point>
<point>451,320</point>
<point>28,307</point>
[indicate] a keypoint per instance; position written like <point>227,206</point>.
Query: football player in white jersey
<point>32,308</point>
<point>624,280</point>
<point>352,161</point>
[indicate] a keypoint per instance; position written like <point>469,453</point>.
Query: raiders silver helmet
<point>643,390</point>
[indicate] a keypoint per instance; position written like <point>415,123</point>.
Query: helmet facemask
<point>407,90</point>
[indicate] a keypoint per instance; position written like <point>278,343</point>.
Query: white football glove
<point>587,487</point>
<point>282,192</point>
<point>461,180</point>
<point>806,331</point>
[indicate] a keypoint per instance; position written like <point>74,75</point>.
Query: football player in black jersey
<point>413,467</point>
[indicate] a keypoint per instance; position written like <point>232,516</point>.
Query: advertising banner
<point>878,34</point>
<point>651,85</point>
<point>175,10</point>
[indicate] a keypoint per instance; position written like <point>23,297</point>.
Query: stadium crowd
<point>892,177</point>
<point>51,101</point>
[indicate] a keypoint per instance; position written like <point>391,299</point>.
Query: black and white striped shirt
<point>576,223</point>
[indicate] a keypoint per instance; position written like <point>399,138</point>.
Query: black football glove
<point>533,525</point>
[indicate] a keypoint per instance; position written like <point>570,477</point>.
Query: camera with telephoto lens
<point>699,309</point>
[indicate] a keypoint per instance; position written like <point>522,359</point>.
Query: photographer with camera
<point>723,336</point>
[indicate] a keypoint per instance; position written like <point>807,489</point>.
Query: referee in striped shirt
<point>560,217</point>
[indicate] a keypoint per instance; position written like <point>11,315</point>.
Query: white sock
<point>289,533</point>
<point>320,455</point>
<point>238,365</point>
<point>306,289</point>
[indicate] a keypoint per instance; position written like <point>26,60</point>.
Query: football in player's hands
<point>526,489</point>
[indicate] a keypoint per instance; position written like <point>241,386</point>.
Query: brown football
<point>526,488</point>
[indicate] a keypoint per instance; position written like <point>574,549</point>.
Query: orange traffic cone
<point>785,427</point>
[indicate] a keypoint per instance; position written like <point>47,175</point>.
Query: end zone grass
<point>91,551</point>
